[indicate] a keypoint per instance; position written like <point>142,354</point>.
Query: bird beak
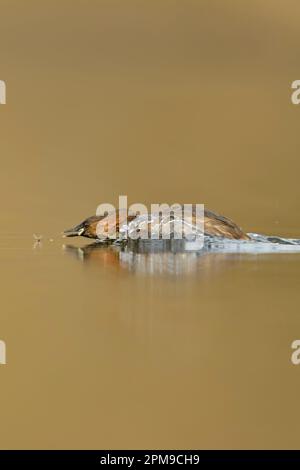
<point>73,232</point>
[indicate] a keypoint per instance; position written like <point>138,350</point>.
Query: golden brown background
<point>165,101</point>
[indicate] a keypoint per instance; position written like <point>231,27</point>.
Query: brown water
<point>165,102</point>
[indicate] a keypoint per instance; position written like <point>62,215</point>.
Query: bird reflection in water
<point>161,257</point>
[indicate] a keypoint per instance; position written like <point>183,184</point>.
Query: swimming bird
<point>215,225</point>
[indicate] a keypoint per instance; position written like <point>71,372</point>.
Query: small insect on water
<point>37,240</point>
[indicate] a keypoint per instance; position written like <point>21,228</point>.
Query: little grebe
<point>214,225</point>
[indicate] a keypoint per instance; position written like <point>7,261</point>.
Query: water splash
<point>257,244</point>
<point>273,239</point>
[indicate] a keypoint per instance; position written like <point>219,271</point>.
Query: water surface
<point>112,348</point>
